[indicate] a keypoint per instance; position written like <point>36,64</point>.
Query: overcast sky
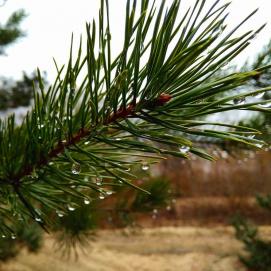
<point>50,23</point>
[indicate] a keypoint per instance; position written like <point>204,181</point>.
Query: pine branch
<point>103,115</point>
<point>122,113</point>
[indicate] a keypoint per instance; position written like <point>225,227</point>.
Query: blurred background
<point>201,215</point>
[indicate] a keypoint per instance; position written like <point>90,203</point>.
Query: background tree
<point>12,95</point>
<point>10,32</point>
<point>18,93</point>
<point>259,250</point>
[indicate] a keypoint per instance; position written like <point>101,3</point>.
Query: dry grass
<point>159,249</point>
<point>241,176</point>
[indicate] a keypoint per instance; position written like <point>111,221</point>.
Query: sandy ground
<point>165,249</point>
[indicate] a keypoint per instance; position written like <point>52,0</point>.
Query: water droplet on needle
<point>71,207</point>
<point>145,166</point>
<point>86,201</point>
<point>76,168</point>
<point>184,149</point>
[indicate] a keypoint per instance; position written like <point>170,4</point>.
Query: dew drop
<point>99,181</point>
<point>266,105</point>
<point>40,126</point>
<point>71,207</point>
<point>259,145</point>
<point>86,201</point>
<point>259,95</point>
<point>168,208</point>
<point>184,149</point>
<point>117,139</point>
<point>101,196</point>
<point>239,100</point>
<point>87,143</point>
<point>109,192</point>
<point>76,168</point>
<point>60,213</point>
<point>51,163</point>
<point>145,166</point>
<point>13,236</point>
<point>3,236</point>
<point>38,219</point>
